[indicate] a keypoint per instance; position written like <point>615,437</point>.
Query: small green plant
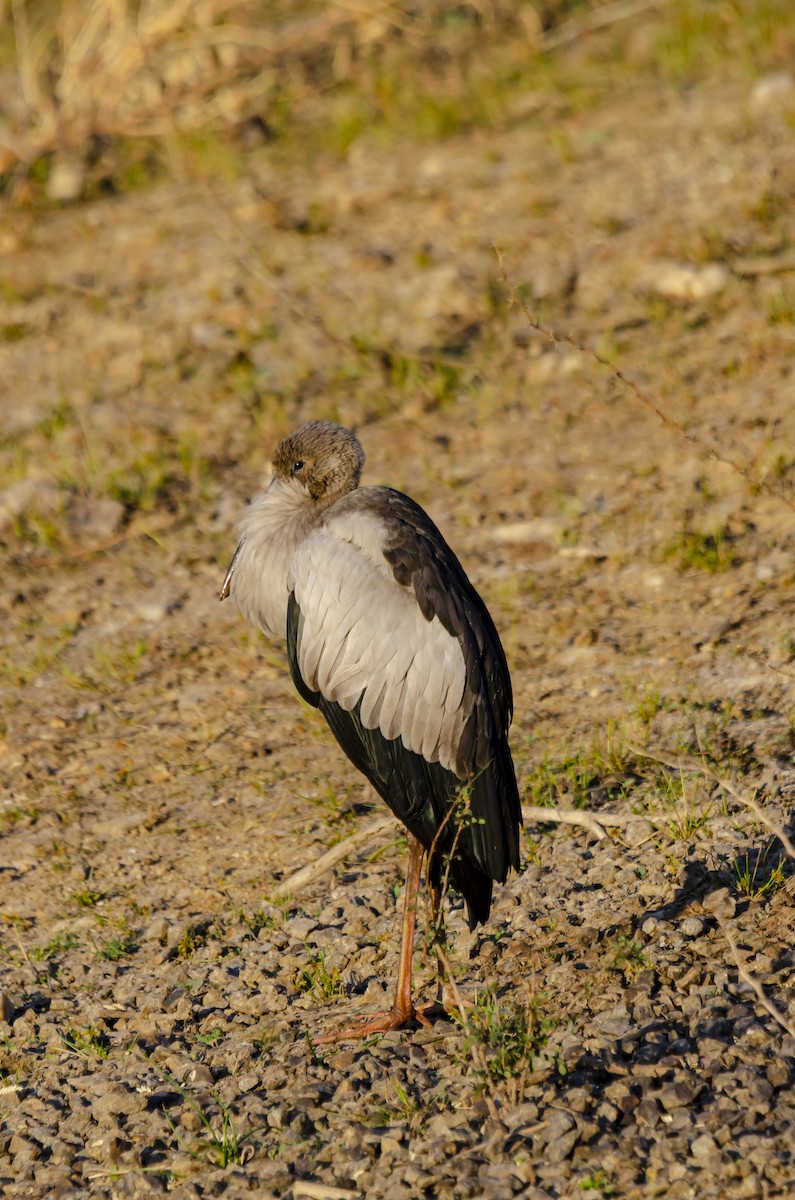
<point>404,1108</point>
<point>192,939</point>
<point>336,809</point>
<point>503,1039</point>
<point>222,1146</point>
<point>649,706</point>
<point>119,662</point>
<point>115,948</point>
<point>86,896</point>
<point>755,877</point>
<point>264,1039</point>
<point>674,805</point>
<point>711,552</point>
<point>58,945</point>
<point>10,817</point>
<point>210,1038</point>
<point>256,921</point>
<point>629,957</point>
<point>781,307</point>
<point>319,979</point>
<point>597,1182</point>
<point>86,1043</point>
<point>576,775</point>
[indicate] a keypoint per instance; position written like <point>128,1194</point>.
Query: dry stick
<point>40,977</point>
<point>666,419</point>
<point>621,10</point>
<point>320,1191</point>
<point>312,871</point>
<point>755,808</point>
<point>574,816</point>
<point>754,983</point>
<point>694,764</point>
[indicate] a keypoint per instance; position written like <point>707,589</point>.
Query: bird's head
<point>322,459</point>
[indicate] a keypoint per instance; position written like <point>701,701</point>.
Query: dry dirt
<point>630,1004</point>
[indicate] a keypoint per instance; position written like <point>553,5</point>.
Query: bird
<point>387,637</point>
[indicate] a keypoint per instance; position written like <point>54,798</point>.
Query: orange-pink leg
<point>403,1010</point>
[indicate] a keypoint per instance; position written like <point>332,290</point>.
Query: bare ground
<point>630,1027</point>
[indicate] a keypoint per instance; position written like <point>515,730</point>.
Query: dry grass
<point>110,68</point>
<point>90,72</point>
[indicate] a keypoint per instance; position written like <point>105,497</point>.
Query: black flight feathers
<point>480,839</point>
<point>420,558</point>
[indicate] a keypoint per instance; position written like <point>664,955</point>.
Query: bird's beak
<point>227,584</point>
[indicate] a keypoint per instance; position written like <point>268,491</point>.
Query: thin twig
<point>753,982</point>
<point>40,977</point>
<point>695,764</point>
<point>598,18</point>
<point>313,871</point>
<point>665,418</point>
<point>321,866</point>
<point>573,816</point>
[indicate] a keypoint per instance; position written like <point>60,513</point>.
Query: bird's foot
<point>381,1022</point>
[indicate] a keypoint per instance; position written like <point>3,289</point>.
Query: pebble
<point>25,497</point>
<point>692,927</point>
<point>683,281</point>
<point>94,517</point>
<point>66,180</point>
<point>775,90</point>
<point>636,832</point>
<point>720,903</point>
<point>703,1147</point>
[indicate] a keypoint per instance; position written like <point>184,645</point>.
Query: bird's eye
<point>297,466</point>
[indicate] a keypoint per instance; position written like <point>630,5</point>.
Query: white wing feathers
<point>363,637</point>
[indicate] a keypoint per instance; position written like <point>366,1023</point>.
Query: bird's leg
<point>402,1010</point>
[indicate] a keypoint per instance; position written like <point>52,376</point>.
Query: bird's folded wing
<point>362,637</point>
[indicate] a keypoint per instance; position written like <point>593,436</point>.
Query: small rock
<point>557,1125</point>
<point>560,1150</point>
<point>172,999</point>
<point>7,1008</point>
<point>118,827</point>
<point>721,904</point>
<point>94,517</point>
<point>682,281</point>
<point>778,1074</point>
<point>692,927</point>
<point>775,90</point>
<point>300,927</point>
<point>66,179</point>
<point>200,1076</point>
<point>27,496</point>
<point>152,611</point>
<point>156,930</point>
<point>636,832</point>
<point>703,1146</point>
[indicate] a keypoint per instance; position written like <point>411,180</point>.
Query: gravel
<point>159,779</point>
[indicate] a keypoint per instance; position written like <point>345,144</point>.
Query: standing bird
<point>389,639</point>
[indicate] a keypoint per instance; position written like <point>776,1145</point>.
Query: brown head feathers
<point>325,459</point>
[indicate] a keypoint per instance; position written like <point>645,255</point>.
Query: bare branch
<point>313,871</point>
<point>753,982</point>
<point>598,18</point>
<point>695,764</point>
<point>665,418</point>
